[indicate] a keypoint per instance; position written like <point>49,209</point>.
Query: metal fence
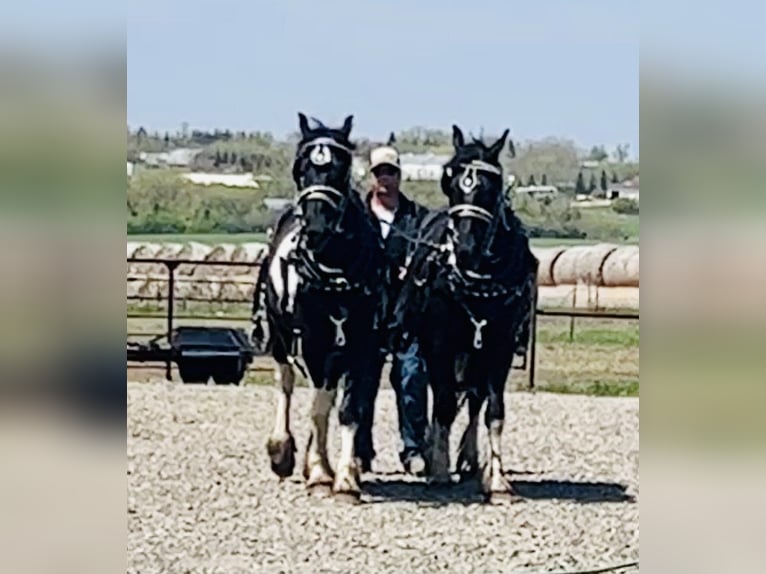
<point>528,364</point>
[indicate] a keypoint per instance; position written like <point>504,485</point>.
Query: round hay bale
<point>546,257</point>
<point>147,251</point>
<point>250,252</point>
<point>169,250</point>
<point>193,251</point>
<point>632,269</point>
<point>591,261</point>
<point>616,271</point>
<point>565,266</point>
<point>220,252</point>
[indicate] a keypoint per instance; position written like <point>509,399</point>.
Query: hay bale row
<point>601,265</point>
<point>194,251</point>
<point>238,288</point>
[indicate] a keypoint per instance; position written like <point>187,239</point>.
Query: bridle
<point>468,182</point>
<point>319,155</point>
<point>318,276</point>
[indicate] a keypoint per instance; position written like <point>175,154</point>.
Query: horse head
<point>322,174</point>
<point>473,182</point>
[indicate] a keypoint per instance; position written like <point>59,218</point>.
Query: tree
<point>604,183</point>
<point>592,187</point>
<point>217,162</point>
<point>544,180</point>
<point>233,158</point>
<point>615,179</point>
<point>167,139</point>
<point>580,185</point>
<point>598,153</point>
<point>225,158</point>
<point>621,153</point>
<point>531,180</point>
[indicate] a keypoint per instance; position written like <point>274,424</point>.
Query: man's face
<point>387,178</point>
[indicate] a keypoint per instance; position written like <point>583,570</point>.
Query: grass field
<point>602,358</point>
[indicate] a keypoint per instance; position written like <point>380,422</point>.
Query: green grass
<point>604,388</point>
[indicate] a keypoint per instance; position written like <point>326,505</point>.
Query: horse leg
<point>468,451</point>
<point>281,445</point>
<point>494,482</point>
<point>445,410</point>
<point>349,414</point>
<point>316,468</point>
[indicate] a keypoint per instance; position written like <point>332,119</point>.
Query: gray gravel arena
<point>201,497</point>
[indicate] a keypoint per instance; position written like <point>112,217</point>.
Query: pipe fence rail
<point>529,361</point>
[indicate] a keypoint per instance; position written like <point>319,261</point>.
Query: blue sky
<point>565,68</point>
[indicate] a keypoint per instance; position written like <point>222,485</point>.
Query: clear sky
<point>565,68</point>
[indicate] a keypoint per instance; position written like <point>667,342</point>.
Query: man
<point>397,218</point>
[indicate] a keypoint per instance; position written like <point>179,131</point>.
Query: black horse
<point>468,299</point>
<point>321,292</point>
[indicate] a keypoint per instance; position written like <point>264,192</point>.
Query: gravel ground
<point>201,497</point>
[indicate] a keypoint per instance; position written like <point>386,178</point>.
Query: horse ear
<point>347,125</point>
<point>457,137</point>
<point>303,122</point>
<point>391,139</point>
<point>497,147</point>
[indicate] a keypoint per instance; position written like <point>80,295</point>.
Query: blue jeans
<point>410,383</point>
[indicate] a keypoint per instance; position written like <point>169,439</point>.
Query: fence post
<point>533,341</point>
<point>171,304</point>
<point>572,319</point>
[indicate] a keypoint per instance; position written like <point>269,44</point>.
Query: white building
<point>225,179</point>
<point>422,167</point>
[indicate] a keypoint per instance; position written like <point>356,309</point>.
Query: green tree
<point>592,187</point>
<point>544,180</point>
<point>531,180</point>
<point>604,183</point>
<point>580,185</point>
<point>598,153</point>
<point>615,179</point>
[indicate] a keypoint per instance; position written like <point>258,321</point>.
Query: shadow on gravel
<point>468,492</point>
<point>585,492</point>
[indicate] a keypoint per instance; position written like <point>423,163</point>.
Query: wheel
<point>194,370</point>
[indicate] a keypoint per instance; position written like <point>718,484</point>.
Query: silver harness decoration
<point>340,336</point>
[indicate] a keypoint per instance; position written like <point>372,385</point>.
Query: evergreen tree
<point>580,185</point>
<point>544,180</point>
<point>604,183</point>
<point>592,187</point>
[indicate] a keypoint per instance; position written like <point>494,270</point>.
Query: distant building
<point>628,189</point>
<point>225,179</point>
<point>181,157</point>
<point>422,167</point>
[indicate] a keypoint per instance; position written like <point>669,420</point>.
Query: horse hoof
<point>282,455</point>
<point>320,490</point>
<point>348,497</point>
<point>503,497</point>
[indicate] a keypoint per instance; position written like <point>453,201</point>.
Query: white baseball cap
<point>384,155</point>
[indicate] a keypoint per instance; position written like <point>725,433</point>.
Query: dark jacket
<point>407,220</point>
